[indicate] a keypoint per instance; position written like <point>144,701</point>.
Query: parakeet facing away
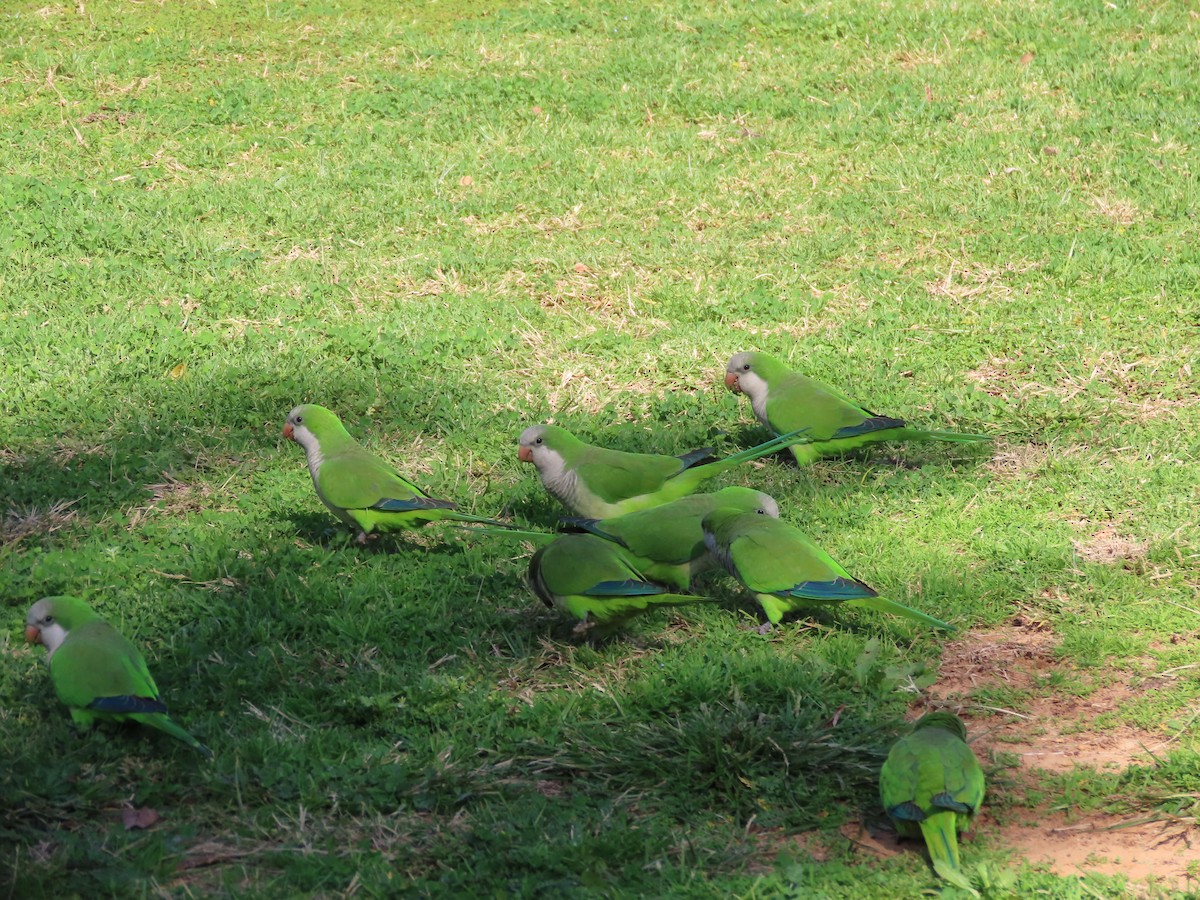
<point>667,542</point>
<point>600,483</point>
<point>786,570</point>
<point>358,487</point>
<point>931,785</point>
<point>784,400</point>
<point>96,671</point>
<point>595,581</point>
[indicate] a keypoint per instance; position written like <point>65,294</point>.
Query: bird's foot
<point>584,626</point>
<point>764,628</point>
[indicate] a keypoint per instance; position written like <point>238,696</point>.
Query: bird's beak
<point>525,454</point>
<point>289,432</point>
<point>731,382</point>
<point>33,634</point>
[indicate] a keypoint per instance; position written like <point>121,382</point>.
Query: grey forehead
<point>532,433</point>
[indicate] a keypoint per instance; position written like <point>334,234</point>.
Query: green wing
<point>589,576</point>
<point>797,401</point>
<point>96,661</point>
<point>931,781</point>
<point>776,558</point>
<point>614,476</point>
<point>670,533</point>
<point>355,479</point>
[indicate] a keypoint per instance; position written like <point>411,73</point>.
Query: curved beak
<point>289,432</point>
<point>731,382</point>
<point>33,634</point>
<point>525,454</point>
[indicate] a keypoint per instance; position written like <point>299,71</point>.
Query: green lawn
<point>450,220</point>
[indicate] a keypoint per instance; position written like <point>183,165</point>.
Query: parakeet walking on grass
<point>787,571</point>
<point>596,582</point>
<point>601,483</point>
<point>931,785</point>
<point>667,542</point>
<point>96,671</point>
<point>784,400</point>
<point>358,487</point>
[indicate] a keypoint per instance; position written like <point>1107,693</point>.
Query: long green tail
<point>899,609</point>
<point>772,446</point>
<point>941,839</point>
<point>509,531</point>
<point>167,724</point>
<point>456,516</point>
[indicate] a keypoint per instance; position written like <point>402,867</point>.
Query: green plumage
<point>787,571</point>
<point>667,542</point>
<point>784,401</point>
<point>96,671</point>
<point>600,483</point>
<point>358,487</point>
<point>596,582</point>
<point>932,785</point>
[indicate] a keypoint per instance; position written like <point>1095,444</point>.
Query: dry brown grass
<point>22,521</point>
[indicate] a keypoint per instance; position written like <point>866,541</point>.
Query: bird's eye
<point>538,441</point>
<point>761,511</point>
<point>746,367</point>
<point>49,620</point>
<point>299,419</point>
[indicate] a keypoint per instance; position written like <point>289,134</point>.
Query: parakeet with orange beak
<point>784,400</point>
<point>357,486</point>
<point>96,671</point>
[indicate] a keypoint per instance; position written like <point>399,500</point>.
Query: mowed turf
<point>447,221</point>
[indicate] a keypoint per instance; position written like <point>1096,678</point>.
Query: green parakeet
<point>931,785</point>
<point>358,487</point>
<point>786,570</point>
<point>96,671</point>
<point>784,400</point>
<point>596,582</point>
<point>667,542</point>
<point>600,483</point>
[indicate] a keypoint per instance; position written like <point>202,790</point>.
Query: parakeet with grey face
<point>786,570</point>
<point>601,483</point>
<point>932,786</point>
<point>784,400</point>
<point>596,582</point>
<point>358,487</point>
<point>96,671</point>
<point>667,542</point>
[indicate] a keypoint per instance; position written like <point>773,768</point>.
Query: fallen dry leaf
<point>1026,59</point>
<point>138,818</point>
<point>466,181</point>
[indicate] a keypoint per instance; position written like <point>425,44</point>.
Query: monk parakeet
<point>784,400</point>
<point>595,581</point>
<point>600,483</point>
<point>931,785</point>
<point>358,487</point>
<point>667,542</point>
<point>96,671</point>
<point>786,570</point>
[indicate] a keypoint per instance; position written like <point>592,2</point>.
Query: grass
<point>448,221</point>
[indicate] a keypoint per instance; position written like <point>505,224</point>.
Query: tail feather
<point>771,446</point>
<point>508,531</point>
<point>645,601</point>
<point>456,516</point>
<point>899,609</point>
<point>168,725</point>
<point>941,839</point>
